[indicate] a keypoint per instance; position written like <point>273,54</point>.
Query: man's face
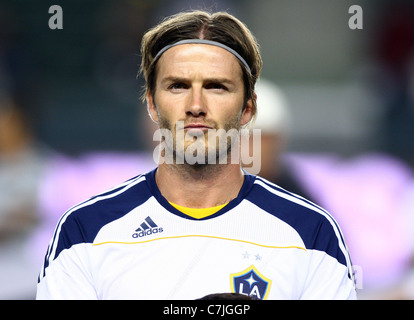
<point>202,88</point>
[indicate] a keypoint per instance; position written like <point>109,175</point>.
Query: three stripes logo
<point>147,228</point>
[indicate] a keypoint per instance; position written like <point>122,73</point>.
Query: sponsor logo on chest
<point>147,228</point>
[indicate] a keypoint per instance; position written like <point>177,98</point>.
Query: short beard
<point>223,148</point>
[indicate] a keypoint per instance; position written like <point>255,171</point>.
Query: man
<point>192,228</point>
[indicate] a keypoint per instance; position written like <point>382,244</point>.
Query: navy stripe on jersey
<point>90,200</point>
<point>82,223</point>
<point>82,204</point>
<point>316,207</point>
<point>316,228</point>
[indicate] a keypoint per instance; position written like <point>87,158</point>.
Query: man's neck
<point>199,186</point>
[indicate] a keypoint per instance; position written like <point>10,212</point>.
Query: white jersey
<point>131,243</point>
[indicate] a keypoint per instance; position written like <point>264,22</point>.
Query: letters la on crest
<point>250,282</point>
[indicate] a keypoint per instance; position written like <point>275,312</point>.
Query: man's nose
<point>197,105</point>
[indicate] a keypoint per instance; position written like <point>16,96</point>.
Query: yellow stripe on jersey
<point>198,213</point>
<point>201,236</point>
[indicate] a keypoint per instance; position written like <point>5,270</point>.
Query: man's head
<point>200,71</point>
<point>220,27</point>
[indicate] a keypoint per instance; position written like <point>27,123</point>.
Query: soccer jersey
<point>131,243</point>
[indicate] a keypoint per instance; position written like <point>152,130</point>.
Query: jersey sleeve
<point>330,271</point>
<point>67,277</point>
<point>66,270</point>
<point>328,279</point>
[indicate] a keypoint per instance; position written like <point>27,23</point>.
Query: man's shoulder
<point>81,223</point>
<point>278,201</point>
<point>110,205</point>
<point>315,225</point>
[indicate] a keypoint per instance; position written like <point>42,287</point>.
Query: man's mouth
<point>197,126</point>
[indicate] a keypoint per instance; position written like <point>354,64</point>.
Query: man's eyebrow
<point>173,79</point>
<point>220,80</point>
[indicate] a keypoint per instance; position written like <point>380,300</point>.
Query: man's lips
<point>199,126</point>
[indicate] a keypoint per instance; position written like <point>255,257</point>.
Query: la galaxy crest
<point>250,282</point>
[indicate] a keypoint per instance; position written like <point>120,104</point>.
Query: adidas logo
<point>147,228</point>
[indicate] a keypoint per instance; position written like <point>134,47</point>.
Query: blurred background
<point>340,124</point>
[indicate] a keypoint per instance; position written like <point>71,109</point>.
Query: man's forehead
<point>187,58</point>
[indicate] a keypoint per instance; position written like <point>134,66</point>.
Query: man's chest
<point>192,267</point>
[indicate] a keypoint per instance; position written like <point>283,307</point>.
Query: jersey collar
<point>246,187</point>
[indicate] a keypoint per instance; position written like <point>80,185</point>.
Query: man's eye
<point>216,86</point>
<point>178,85</point>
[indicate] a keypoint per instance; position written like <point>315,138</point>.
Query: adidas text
<point>148,232</point>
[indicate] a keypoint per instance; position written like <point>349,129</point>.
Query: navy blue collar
<point>152,185</point>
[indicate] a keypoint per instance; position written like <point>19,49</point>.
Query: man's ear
<point>152,109</point>
<point>249,111</point>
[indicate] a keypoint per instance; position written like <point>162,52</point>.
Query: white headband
<point>202,41</point>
